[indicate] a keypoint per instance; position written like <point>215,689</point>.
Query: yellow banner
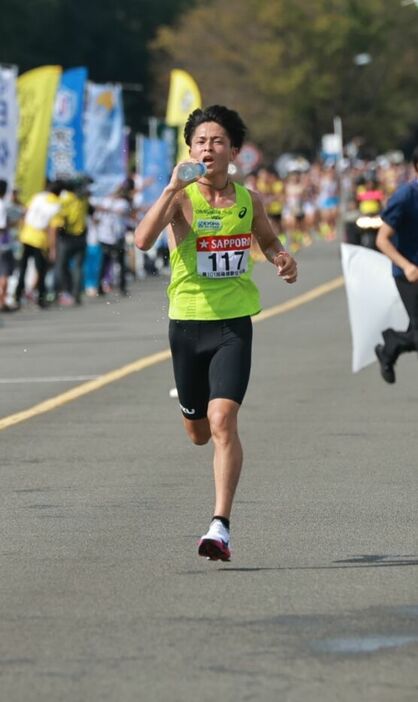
<point>36,94</point>
<point>183,98</point>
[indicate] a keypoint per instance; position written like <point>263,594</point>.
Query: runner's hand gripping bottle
<point>189,171</point>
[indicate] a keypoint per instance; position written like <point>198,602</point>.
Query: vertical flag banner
<point>104,137</point>
<point>170,136</point>
<point>66,153</point>
<point>8,124</point>
<point>36,94</point>
<point>153,165</point>
<point>183,98</point>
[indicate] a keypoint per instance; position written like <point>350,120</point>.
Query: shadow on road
<point>360,561</point>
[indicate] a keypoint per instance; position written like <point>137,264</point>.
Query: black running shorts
<point>210,360</point>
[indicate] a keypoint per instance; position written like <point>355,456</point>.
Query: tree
<point>109,38</point>
<point>288,67</point>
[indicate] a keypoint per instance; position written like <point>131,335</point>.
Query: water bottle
<point>190,171</point>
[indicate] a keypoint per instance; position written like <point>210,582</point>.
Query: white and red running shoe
<point>215,544</point>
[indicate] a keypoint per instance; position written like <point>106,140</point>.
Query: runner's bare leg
<point>227,460</point>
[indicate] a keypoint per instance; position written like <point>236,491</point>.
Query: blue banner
<point>105,141</point>
<point>154,167</point>
<point>66,149</point>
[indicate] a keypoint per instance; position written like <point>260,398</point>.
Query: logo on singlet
<point>209,225</point>
<point>242,212</point>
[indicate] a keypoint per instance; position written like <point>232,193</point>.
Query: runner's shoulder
<point>257,200</point>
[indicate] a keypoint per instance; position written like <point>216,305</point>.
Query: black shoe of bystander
<point>386,365</point>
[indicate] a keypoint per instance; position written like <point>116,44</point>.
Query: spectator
<point>71,243</point>
<point>110,217</point>
<point>38,236</point>
<point>7,263</point>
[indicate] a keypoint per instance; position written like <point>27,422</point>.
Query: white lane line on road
<point>152,360</point>
<point>84,389</point>
<point>52,379</point>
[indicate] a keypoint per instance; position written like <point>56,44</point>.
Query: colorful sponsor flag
<point>374,303</point>
<point>36,94</point>
<point>8,124</point>
<point>104,137</point>
<point>153,166</point>
<point>183,98</point>
<point>66,153</point>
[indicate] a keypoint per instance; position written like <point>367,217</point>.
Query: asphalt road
<point>103,596</point>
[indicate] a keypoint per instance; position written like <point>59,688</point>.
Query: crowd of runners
<point>305,201</point>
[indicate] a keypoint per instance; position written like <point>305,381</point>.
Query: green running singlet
<point>211,268</point>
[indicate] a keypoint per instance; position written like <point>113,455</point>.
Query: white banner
<point>8,123</point>
<point>374,303</point>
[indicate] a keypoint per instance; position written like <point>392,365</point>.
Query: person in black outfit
<point>398,239</point>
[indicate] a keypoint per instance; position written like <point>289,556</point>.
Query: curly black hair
<point>228,119</point>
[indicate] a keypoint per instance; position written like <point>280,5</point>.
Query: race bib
<point>223,256</point>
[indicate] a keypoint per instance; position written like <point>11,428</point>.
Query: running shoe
<point>66,300</point>
<point>215,544</point>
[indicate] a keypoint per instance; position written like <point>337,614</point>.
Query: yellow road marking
<point>147,361</point>
<point>301,299</point>
<point>85,388</point>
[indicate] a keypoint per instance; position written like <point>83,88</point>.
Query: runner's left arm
<point>269,242</point>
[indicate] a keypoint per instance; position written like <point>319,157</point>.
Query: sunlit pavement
<point>103,500</point>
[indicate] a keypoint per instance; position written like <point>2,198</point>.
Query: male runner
<point>212,297</point>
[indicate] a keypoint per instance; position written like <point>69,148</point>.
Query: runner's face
<point>212,145</point>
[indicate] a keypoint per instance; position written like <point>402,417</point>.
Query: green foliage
<point>108,37</point>
<point>289,67</point>
<point>286,65</point>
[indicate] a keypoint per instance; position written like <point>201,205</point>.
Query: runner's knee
<point>223,422</point>
<point>198,431</point>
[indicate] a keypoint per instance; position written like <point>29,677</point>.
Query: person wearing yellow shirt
<point>72,243</point>
<point>370,197</point>
<point>38,238</point>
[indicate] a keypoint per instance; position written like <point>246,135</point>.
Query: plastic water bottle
<point>190,171</point>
